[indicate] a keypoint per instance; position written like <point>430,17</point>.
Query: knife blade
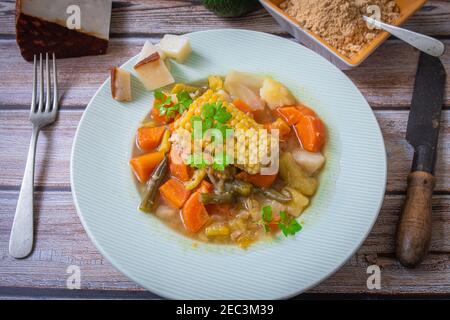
<point>414,230</point>
<point>425,113</point>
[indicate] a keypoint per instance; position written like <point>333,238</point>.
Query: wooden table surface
<point>385,79</point>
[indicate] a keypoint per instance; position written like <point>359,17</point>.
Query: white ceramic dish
<point>143,248</point>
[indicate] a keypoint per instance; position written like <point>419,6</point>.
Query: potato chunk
<point>294,175</point>
<point>275,94</point>
<point>298,203</point>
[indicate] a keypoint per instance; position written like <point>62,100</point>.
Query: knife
<point>414,229</point>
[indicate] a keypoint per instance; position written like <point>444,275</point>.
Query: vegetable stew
<point>258,166</point>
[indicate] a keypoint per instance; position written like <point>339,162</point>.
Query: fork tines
<point>49,103</point>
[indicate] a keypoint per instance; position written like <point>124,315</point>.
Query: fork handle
<point>21,239</point>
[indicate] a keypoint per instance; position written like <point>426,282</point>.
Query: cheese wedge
<point>120,84</point>
<point>151,69</point>
<point>175,47</point>
<point>67,28</point>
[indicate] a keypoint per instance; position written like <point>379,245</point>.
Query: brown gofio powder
<point>339,22</point>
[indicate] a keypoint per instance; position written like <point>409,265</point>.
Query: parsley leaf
<point>222,115</point>
<point>195,119</point>
<point>288,226</point>
<point>208,110</point>
<point>159,95</point>
<point>267,213</point>
<point>207,124</point>
<point>166,106</point>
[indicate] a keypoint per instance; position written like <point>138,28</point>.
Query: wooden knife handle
<point>414,230</point>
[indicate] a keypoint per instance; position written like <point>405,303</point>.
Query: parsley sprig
<point>166,106</point>
<point>287,225</point>
<point>213,116</point>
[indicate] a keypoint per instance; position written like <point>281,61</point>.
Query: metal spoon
<point>422,42</point>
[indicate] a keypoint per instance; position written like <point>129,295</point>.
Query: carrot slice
<point>274,223</point>
<point>309,128</point>
<point>174,192</point>
<point>149,138</point>
<point>259,180</point>
<point>290,114</point>
<point>194,213</point>
<point>177,167</point>
<point>144,165</point>
<point>171,126</point>
<point>311,132</point>
<point>241,105</point>
<point>156,116</point>
<point>205,187</point>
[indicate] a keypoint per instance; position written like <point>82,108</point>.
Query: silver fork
<point>21,239</point>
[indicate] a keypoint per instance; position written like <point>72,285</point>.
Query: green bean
<point>148,203</point>
<point>273,194</point>
<point>239,187</point>
<point>208,198</point>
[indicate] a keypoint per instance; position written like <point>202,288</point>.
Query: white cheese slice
<point>121,84</point>
<point>153,74</point>
<point>176,47</point>
<point>148,49</point>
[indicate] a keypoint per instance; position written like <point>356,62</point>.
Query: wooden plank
<point>386,79</point>
<point>61,241</point>
<point>55,142</point>
<point>149,18</point>
<point>78,78</point>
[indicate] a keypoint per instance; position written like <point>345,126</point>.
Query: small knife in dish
<point>414,230</point>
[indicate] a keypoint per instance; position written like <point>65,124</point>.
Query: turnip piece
<point>245,87</point>
<point>165,212</point>
<point>311,162</point>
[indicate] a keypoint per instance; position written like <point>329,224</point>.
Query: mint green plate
<point>168,264</point>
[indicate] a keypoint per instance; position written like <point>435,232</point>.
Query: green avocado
<point>231,8</point>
